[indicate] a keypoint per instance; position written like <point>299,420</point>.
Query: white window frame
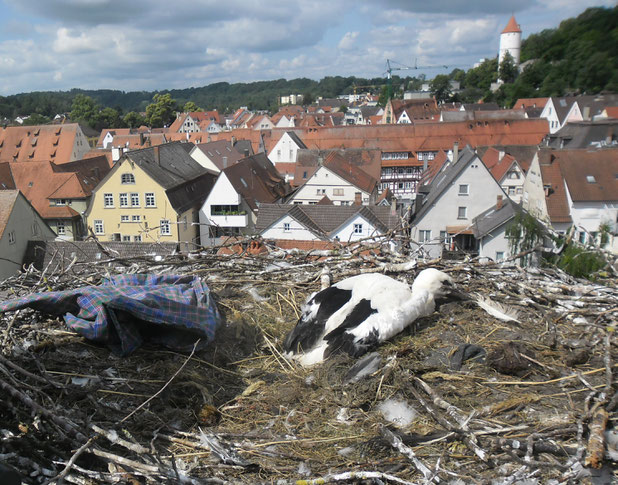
<point>126,238</point>
<point>61,227</point>
<point>424,235</point>
<point>358,228</point>
<point>108,200</point>
<point>165,227</point>
<point>286,227</point>
<point>464,189</point>
<point>123,199</point>
<point>150,200</point>
<point>134,199</point>
<point>124,218</point>
<point>136,218</point>
<point>137,238</point>
<point>99,228</point>
<point>462,212</point>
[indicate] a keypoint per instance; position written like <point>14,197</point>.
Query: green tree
<point>383,99</point>
<point>507,70</point>
<point>190,107</point>
<point>109,118</point>
<point>308,98</point>
<point>162,111</point>
<point>440,87</point>
<point>483,75</point>
<point>37,119</point>
<point>84,109</point>
<point>134,120</point>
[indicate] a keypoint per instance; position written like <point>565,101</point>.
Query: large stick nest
<point>538,404</point>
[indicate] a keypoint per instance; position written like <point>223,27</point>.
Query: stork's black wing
<point>340,340</point>
<point>316,312</point>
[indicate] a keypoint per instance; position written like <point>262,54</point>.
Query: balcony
<point>229,219</point>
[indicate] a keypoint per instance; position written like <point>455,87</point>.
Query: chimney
<point>499,203</point>
<point>141,139</point>
<point>233,140</point>
<point>157,157</point>
<point>224,162</point>
<point>320,160</point>
<point>586,113</point>
<point>455,151</point>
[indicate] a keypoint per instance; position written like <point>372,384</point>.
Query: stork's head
<point>434,281</point>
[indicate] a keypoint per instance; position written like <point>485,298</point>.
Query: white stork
<point>358,313</point>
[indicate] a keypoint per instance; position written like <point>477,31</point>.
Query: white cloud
<point>348,40</point>
<point>68,43</point>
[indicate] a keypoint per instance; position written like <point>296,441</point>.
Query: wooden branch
<point>595,450</point>
<point>396,443</point>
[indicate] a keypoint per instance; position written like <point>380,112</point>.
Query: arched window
<point>127,178</point>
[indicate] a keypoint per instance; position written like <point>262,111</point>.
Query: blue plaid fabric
<point>127,310</point>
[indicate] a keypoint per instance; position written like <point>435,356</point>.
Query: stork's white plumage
<point>358,313</point>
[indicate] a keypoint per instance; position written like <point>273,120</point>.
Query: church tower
<point>510,41</point>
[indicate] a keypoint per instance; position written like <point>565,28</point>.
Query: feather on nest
<point>499,310</point>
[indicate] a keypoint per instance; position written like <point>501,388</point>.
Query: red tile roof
<point>351,173</point>
<point>512,26</point>
<point>37,143</point>
<point>523,103</point>
<point>416,109</point>
<point>591,176</point>
<point>6,178</point>
<point>7,201</point>
<point>498,165</point>
<point>612,111</point>
<point>42,181</point>
<point>555,198</point>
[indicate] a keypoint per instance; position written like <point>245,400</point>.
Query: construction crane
<point>402,67</point>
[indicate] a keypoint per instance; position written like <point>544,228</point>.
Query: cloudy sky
<point>134,45</point>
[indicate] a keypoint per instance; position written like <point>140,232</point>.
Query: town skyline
<point>105,44</point>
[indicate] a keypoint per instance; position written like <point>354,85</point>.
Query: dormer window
<point>127,178</point>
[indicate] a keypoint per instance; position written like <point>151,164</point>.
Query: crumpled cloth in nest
<point>128,310</point>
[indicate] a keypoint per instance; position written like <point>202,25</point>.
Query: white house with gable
<point>286,148</point>
<point>457,195</point>
<point>340,181</point>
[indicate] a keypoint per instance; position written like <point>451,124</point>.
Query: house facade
<point>340,181</point>
<point>286,148</point>
<point>284,222</point>
<point>61,193</point>
<point>19,223</point>
<point>151,195</point>
<point>232,205</point>
<point>462,191</point>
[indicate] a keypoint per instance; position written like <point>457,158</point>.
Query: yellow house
<point>151,195</point>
